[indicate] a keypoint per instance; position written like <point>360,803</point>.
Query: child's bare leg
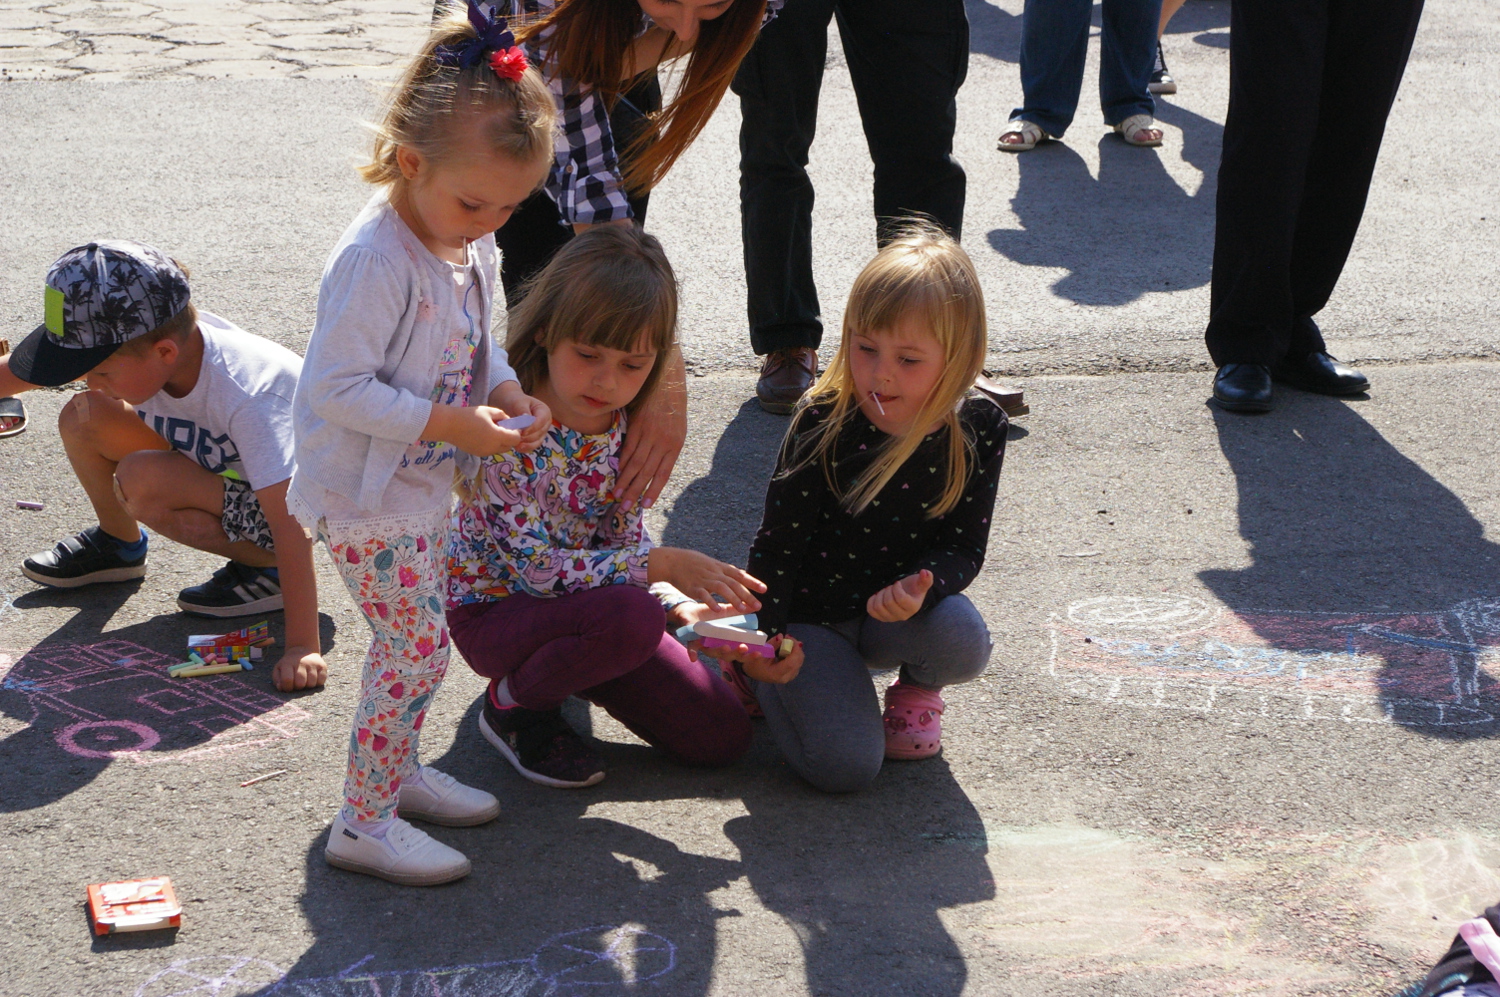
<point>184,501</point>
<point>97,432</point>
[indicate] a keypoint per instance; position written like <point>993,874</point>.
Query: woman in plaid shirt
<point>615,142</point>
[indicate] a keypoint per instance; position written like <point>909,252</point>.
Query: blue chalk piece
<point>124,661</point>
<point>248,666</point>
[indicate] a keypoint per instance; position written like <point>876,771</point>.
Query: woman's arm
<point>655,437</point>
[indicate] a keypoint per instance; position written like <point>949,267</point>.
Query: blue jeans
<point>1054,42</point>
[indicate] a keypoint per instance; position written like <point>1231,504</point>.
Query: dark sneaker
<point>541,745</point>
<point>235,590</point>
<point>1161,79</point>
<point>91,556</point>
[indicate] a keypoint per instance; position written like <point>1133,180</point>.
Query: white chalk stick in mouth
<point>517,422</point>
<point>876,399</point>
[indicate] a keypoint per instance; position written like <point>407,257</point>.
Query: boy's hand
<point>900,600</point>
<point>299,668</point>
<point>714,583</point>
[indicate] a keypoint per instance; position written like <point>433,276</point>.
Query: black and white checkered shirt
<point>586,180</point>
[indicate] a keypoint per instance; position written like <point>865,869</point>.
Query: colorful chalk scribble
<point>1415,668</point>
<point>600,961</point>
<point>114,700</point>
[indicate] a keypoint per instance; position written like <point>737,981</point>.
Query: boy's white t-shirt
<point>237,420</point>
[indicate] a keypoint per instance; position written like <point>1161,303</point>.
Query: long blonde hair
<point>610,286</point>
<point>431,103</point>
<point>586,41</point>
<point>922,272</point>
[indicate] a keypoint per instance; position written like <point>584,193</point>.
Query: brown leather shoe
<point>784,377</point>
<point>1012,400</point>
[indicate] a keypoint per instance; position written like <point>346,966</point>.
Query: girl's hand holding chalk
<point>779,670</point>
<point>900,600</point>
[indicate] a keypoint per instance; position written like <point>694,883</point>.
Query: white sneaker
<point>405,855</point>
<point>438,798</point>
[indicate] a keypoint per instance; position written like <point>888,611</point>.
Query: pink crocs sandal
<point>913,722</point>
<point>735,676</point>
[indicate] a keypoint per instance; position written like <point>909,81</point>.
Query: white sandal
<point>1030,133</point>
<point>1131,128</point>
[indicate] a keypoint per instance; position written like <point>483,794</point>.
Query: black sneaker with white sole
<point>1161,77</point>
<point>541,745</point>
<point>89,557</point>
<point>235,590</point>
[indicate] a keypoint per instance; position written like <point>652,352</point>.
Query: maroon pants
<point>608,646</point>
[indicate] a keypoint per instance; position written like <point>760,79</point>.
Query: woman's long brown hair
<point>588,41</point>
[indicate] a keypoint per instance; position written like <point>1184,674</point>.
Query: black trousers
<point>1311,83</point>
<point>907,64</point>
<point>535,231</point>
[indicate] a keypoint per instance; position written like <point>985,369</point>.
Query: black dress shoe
<point>1321,373</point>
<point>1243,387</point>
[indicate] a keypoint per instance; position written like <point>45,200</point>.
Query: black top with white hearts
<point>821,563</point>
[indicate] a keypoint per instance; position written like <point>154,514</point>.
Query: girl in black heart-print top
<point>876,519</point>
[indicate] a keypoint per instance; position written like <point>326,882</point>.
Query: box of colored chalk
<point>134,905</point>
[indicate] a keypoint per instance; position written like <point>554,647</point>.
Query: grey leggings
<point>827,721</point>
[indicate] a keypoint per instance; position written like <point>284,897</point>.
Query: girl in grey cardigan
<point>402,387</point>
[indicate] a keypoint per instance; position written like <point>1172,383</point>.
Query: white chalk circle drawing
<point>1179,652</point>
<point>1158,614</point>
<point>122,705</point>
<point>600,960</point>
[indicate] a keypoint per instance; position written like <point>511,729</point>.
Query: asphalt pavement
<point>1236,733</point>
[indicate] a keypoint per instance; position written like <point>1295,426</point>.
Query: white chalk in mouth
<point>876,399</point>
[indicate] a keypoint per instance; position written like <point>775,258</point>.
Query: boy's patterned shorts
<point>243,517</point>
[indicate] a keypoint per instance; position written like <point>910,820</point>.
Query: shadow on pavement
<point>91,699</point>
<point>719,512</point>
<point>1363,541</point>
<point>1129,231</point>
<point>567,893</point>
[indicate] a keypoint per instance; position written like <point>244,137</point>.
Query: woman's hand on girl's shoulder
<point>714,583</point>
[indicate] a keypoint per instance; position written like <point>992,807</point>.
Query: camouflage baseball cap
<point>98,297</point>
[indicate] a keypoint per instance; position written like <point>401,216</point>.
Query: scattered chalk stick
<point>33,506</point>
<point>517,422</point>
<point>787,647</point>
<point>262,778</point>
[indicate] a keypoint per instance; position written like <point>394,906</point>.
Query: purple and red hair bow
<point>493,44</point>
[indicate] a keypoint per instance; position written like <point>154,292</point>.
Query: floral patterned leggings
<point>396,577</point>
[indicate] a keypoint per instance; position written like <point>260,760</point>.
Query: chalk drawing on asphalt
<point>1177,652</point>
<point>121,704</point>
<point>597,960</point>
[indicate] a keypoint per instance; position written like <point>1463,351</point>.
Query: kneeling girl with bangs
<point>548,569</point>
<point>876,519</point>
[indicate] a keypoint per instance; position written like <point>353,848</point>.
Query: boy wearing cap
<point>186,427</point>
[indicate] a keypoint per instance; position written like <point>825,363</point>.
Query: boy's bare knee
<point>135,484</point>
<point>72,421</point>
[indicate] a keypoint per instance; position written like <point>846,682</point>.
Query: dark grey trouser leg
<point>946,645</point>
<point>827,721</point>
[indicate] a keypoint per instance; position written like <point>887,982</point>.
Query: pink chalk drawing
<point>123,706</point>
<point>1179,652</point>
<point>601,960</point>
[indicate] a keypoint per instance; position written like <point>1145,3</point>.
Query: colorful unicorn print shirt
<point>546,523</point>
